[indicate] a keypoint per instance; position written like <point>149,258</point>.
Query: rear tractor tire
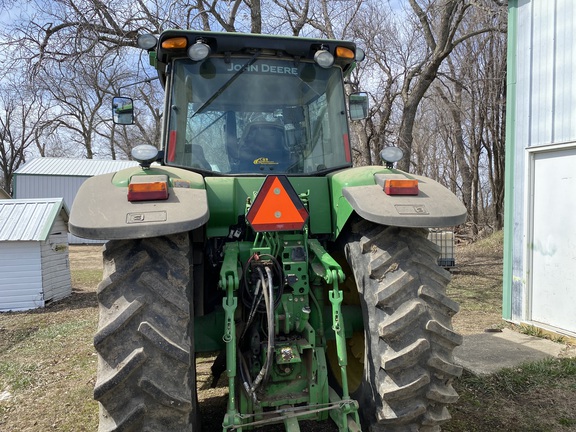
<point>408,368</point>
<point>146,374</point>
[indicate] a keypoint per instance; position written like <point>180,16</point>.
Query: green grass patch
<point>86,277</point>
<point>47,369</point>
<point>568,422</point>
<point>63,329</point>
<point>512,381</point>
<point>533,397</point>
<point>490,246</point>
<point>15,376</point>
<point>531,330</point>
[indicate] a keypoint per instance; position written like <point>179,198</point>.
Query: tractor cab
<point>253,105</point>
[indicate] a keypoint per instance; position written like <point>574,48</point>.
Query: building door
<point>552,246</point>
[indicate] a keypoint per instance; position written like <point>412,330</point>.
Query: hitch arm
<point>326,267</point>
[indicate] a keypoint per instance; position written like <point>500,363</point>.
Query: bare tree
<point>454,105</point>
<point>472,90</point>
<point>440,25</point>
<point>80,98</point>
<point>21,113</point>
<point>491,97</point>
<point>377,31</point>
<point>67,30</point>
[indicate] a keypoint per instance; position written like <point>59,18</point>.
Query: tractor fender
<point>101,209</point>
<point>434,206</point>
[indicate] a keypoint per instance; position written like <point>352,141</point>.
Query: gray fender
<point>434,206</point>
<point>102,211</point>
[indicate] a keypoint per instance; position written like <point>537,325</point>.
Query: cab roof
<point>248,43</point>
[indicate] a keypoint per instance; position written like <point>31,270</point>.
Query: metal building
<point>34,260</point>
<point>59,177</point>
<point>540,204</point>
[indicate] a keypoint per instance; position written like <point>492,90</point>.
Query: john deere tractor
<point>249,234</point>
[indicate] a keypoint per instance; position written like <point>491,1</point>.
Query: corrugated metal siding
<point>565,100</point>
<point>45,186</point>
<point>523,113</point>
<point>546,62</point>
<point>27,220</point>
<point>55,264</point>
<point>545,113</point>
<point>73,167</point>
<point>21,281</point>
<point>58,177</point>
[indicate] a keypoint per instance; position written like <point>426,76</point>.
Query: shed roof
<point>73,167</point>
<point>29,219</point>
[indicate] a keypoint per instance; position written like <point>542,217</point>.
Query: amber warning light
<point>277,207</point>
<point>401,187</point>
<point>148,188</point>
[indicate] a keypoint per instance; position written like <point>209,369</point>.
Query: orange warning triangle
<point>277,207</point>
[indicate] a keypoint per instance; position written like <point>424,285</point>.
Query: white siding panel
<point>56,264</point>
<point>524,55</point>
<point>21,279</point>
<point>73,167</point>
<point>543,192</point>
<point>52,186</point>
<point>546,60</point>
<point>545,113</point>
<point>565,88</point>
<point>543,55</point>
<point>523,119</point>
<point>45,186</point>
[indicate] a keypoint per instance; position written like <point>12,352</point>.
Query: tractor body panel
<point>228,196</point>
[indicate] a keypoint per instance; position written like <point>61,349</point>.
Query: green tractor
<point>250,234</point>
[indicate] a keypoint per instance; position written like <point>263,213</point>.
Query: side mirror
<point>358,105</point>
<point>122,110</point>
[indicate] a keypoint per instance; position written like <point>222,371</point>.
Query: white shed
<point>540,204</point>
<point>34,260</point>
<point>61,178</point>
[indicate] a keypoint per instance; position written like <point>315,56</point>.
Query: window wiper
<point>228,83</point>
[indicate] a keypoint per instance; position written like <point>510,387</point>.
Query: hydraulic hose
<point>271,328</point>
<point>254,307</point>
<point>268,291</point>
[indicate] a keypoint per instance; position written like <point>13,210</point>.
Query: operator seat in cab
<point>263,149</point>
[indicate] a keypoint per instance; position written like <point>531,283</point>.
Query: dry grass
<point>47,361</point>
<point>477,285</point>
<point>48,364</point>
